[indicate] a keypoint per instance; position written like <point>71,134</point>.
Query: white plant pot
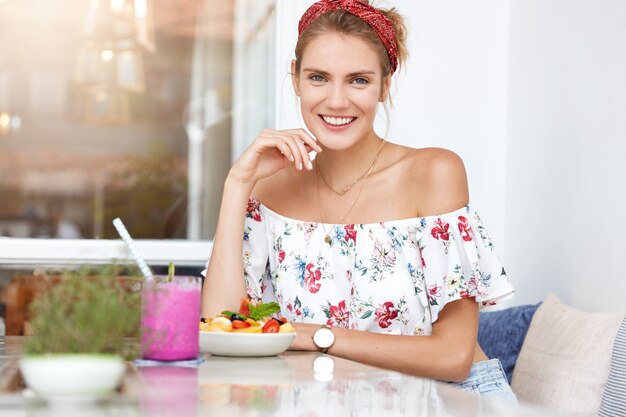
<point>59,376</point>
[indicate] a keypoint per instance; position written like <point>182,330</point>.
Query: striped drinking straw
<point>121,229</point>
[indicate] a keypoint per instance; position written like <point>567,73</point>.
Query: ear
<point>384,92</point>
<point>295,78</point>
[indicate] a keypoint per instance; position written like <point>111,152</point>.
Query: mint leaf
<point>263,310</point>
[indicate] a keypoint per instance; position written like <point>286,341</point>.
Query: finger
<point>278,143</point>
<point>306,138</point>
<point>292,142</point>
<point>306,159</point>
<point>308,147</point>
<point>301,133</point>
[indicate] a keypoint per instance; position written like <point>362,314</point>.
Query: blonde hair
<point>342,22</point>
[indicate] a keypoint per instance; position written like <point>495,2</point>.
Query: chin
<point>335,145</point>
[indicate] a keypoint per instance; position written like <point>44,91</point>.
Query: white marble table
<point>293,384</point>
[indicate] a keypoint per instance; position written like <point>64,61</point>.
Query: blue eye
<point>361,81</point>
<point>317,78</point>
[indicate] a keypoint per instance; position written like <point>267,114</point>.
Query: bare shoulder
<point>438,163</point>
<point>441,180</point>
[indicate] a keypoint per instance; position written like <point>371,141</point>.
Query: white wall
<point>566,147</point>
<point>532,95</point>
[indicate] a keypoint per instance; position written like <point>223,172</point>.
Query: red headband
<point>371,15</point>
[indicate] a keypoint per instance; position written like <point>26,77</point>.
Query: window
<point>126,108</point>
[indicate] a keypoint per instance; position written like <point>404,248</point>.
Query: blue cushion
<point>614,397</point>
<point>501,333</point>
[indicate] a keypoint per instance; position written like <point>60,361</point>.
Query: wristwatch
<point>324,338</point>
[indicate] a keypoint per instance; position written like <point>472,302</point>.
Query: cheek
<point>369,102</point>
<point>310,97</point>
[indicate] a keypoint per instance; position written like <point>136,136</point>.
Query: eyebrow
<point>352,74</point>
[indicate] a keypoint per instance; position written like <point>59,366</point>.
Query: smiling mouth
<point>338,121</point>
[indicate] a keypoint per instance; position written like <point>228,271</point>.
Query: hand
<point>304,337</point>
<point>272,151</point>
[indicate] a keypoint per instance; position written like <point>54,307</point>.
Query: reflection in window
<point>115,108</point>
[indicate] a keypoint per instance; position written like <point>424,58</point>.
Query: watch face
<point>323,338</point>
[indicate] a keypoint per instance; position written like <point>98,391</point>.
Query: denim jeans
<point>488,380</point>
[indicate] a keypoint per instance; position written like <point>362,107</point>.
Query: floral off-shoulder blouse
<point>389,277</point>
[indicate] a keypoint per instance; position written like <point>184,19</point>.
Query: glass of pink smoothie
<point>169,318</point>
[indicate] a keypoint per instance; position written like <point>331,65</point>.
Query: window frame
<point>49,252</point>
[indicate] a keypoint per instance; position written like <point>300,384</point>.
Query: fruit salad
<point>251,318</point>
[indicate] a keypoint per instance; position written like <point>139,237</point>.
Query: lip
<point>334,127</point>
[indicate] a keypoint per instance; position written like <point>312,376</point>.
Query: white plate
<point>244,344</point>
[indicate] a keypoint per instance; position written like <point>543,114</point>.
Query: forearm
<point>446,355</point>
<point>224,284</point>
<point>428,356</point>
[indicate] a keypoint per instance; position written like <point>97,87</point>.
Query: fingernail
<point>309,165</point>
<point>300,165</point>
<point>291,158</point>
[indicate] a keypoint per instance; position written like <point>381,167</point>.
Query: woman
<point>373,240</point>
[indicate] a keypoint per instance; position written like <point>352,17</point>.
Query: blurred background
<point>104,103</point>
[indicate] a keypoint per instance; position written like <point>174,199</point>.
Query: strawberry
<point>240,324</point>
<point>272,326</point>
<point>244,307</point>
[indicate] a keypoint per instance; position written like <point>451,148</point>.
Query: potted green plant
<point>85,324</point>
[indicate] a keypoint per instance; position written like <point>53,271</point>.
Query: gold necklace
<point>369,168</point>
<point>327,237</point>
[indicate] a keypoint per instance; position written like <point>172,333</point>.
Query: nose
<point>337,96</point>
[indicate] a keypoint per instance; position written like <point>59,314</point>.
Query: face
<point>340,85</point>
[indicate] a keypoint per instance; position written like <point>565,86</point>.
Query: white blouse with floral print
<point>389,277</point>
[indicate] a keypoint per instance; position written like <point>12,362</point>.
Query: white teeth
<point>337,121</point>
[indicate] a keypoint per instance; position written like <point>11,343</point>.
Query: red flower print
<point>433,294</point>
<point>281,256</point>
<point>422,256</point>
<point>385,313</point>
<point>465,229</point>
<point>339,315</point>
<point>464,294</point>
<point>350,233</point>
<point>312,277</point>
<point>441,230</point>
<point>435,291</point>
<point>253,209</point>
